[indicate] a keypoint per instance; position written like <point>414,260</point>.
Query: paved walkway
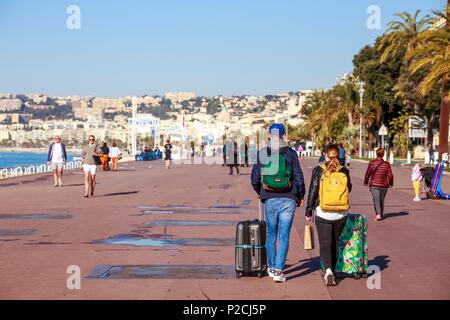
<point>410,246</point>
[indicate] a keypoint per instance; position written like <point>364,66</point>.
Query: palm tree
<point>320,113</point>
<point>403,33</point>
<point>432,55</point>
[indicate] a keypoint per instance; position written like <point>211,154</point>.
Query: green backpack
<point>276,175</point>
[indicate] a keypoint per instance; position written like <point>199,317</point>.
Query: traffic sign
<point>383,131</point>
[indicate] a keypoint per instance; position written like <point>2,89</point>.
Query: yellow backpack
<point>333,190</point>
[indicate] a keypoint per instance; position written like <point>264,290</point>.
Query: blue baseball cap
<point>277,129</point>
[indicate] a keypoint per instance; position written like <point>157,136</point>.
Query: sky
<point>210,47</point>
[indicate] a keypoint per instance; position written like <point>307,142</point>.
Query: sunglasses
<point>91,139</point>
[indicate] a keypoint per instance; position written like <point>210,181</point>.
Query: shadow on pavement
<point>307,265</point>
<point>395,214</point>
<point>381,261</point>
<point>119,194</point>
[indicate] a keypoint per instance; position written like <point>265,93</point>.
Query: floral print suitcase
<point>352,255</point>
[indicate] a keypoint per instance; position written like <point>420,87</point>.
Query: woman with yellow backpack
<point>328,198</point>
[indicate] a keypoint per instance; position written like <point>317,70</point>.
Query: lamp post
<point>286,117</point>
<point>361,95</point>
<point>133,128</point>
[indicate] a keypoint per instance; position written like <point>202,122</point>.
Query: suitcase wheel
<point>260,274</point>
<point>364,274</point>
<point>357,276</point>
<point>238,274</point>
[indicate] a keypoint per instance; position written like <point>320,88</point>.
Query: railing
<point>35,169</point>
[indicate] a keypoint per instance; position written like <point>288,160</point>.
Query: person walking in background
<point>224,154</point>
<point>300,150</point>
<point>416,178</point>
<point>431,153</point>
<point>90,156</point>
<point>232,154</point>
<point>168,153</point>
<point>105,157</point>
<point>202,151</point>
<point>242,153</point>
<point>281,188</point>
<point>342,154</point>
<point>331,216</point>
<point>348,160</point>
<point>322,157</point>
<point>246,151</point>
<point>379,178</point>
<point>57,157</point>
<point>114,153</point>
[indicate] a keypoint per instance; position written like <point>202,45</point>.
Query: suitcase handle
<point>261,214</point>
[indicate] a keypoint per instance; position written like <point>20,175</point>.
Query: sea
<point>23,159</point>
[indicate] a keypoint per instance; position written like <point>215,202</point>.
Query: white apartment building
<point>10,104</point>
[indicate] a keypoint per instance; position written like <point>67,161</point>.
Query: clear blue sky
<point>138,47</point>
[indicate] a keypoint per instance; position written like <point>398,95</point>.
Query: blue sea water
<point>16,159</point>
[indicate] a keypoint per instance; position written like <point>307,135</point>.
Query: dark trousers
<point>329,232</point>
<point>234,166</point>
<point>378,195</point>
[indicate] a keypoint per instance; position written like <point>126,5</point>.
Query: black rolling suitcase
<point>251,258</point>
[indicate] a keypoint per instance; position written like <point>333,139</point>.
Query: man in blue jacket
<point>278,164</point>
<point>57,157</point>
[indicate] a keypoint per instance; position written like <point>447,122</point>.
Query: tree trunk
<point>429,131</point>
<point>445,106</point>
<point>443,127</point>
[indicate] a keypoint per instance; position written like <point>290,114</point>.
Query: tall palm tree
<point>432,54</point>
<point>402,33</point>
<point>320,114</point>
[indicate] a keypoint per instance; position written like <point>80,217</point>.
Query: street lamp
<point>361,95</point>
<point>286,117</point>
<point>133,128</point>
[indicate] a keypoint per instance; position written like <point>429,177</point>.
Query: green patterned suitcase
<point>352,255</point>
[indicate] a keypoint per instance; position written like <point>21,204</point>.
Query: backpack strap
<point>281,151</point>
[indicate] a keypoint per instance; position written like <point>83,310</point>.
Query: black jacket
<point>298,184</point>
<point>313,194</point>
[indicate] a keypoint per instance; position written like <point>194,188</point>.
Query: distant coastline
<point>35,150</point>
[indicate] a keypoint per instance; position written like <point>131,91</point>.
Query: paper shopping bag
<point>308,240</point>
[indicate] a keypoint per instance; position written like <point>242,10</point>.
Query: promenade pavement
<point>163,260</point>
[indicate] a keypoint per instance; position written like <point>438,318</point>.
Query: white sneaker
<point>279,276</point>
<point>329,278</point>
<point>417,199</point>
<point>59,183</point>
<point>271,272</point>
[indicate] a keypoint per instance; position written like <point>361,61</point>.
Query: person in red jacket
<point>379,178</point>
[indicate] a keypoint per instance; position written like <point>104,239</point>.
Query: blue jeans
<point>279,216</point>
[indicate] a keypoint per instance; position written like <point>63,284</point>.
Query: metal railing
<point>35,169</point>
